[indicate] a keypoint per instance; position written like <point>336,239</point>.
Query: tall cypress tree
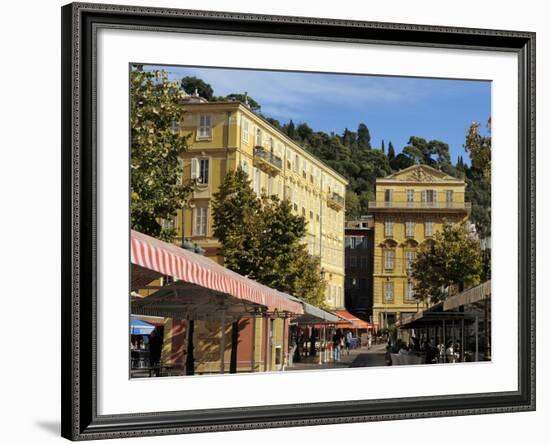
<point>391,152</point>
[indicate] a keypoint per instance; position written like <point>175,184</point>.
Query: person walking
<point>337,346</point>
<point>348,339</point>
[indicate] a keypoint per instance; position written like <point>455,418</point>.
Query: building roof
<point>419,173</point>
<point>242,107</point>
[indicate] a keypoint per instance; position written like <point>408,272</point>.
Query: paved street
<point>360,357</point>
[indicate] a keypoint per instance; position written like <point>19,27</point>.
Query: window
<point>409,292</point>
<point>428,228</point>
<point>257,180</point>
<point>388,228</point>
<point>410,198</point>
<point>410,256</point>
<point>203,170</point>
<point>409,295</point>
<point>449,198</point>
<point>353,261</point>
<point>205,126</point>
<point>388,197</point>
<point>200,221</point>
<point>388,291</point>
<point>244,166</point>
<point>175,127</point>
<point>200,170</point>
<point>363,262</point>
<point>295,200</point>
<point>348,241</point>
<point>429,198</point>
<point>269,185</point>
<point>246,131</point>
<point>409,229</point>
<point>389,259</point>
<point>258,137</point>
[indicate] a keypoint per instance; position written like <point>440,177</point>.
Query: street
<point>360,357</point>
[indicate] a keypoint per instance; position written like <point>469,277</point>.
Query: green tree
<point>290,129</point>
<point>363,137</point>
<point>353,206</point>
<point>235,213</point>
<point>191,84</point>
<point>453,259</point>
<point>479,148</point>
<point>478,177</point>
<point>434,152</point>
<point>243,98</point>
<point>308,285</point>
<point>391,153</point>
<point>157,191</point>
<point>261,239</point>
<point>400,162</point>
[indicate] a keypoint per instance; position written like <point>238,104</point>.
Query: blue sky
<point>393,108</point>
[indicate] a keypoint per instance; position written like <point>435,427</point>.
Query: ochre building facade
<point>225,135</point>
<point>411,206</point>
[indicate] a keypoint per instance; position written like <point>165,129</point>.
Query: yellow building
<point>224,135</point>
<point>411,206</point>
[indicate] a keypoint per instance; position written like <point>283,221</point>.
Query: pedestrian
<point>348,339</point>
<point>337,345</point>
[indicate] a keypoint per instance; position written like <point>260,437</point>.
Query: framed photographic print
<point>278,221</point>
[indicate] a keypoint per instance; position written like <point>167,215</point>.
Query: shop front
<point>215,320</point>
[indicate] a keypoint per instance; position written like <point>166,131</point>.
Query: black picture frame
<point>80,420</point>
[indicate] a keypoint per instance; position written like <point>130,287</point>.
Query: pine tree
<point>383,148</point>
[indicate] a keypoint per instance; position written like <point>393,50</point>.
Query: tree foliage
<point>478,177</point>
<point>452,260</point>
<point>479,148</point>
<point>261,239</point>
<point>353,205</point>
<point>157,191</point>
<point>191,84</point>
<point>352,155</point>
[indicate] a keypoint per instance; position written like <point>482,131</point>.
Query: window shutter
<point>194,168</point>
<point>423,196</point>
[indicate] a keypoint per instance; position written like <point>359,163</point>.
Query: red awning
<point>355,321</point>
<point>171,260</point>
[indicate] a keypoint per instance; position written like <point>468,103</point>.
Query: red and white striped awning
<point>355,321</point>
<point>170,260</point>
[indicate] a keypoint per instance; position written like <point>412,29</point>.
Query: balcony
<point>335,201</point>
<point>420,206</point>
<point>267,161</point>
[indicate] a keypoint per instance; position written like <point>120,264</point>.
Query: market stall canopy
<point>475,294</point>
<point>350,321</point>
<point>204,276</point>
<point>139,327</point>
<point>313,314</point>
